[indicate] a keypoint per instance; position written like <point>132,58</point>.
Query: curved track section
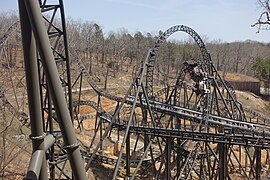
<point>89,79</point>
<point>206,62</point>
<point>22,116</point>
<point>8,33</point>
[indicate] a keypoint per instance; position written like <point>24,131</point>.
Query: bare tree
<point>264,18</point>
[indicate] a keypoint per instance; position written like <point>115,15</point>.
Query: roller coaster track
<point>233,132</point>
<point>158,94</point>
<point>163,107</point>
<point>90,81</point>
<point>151,61</point>
<point>109,160</point>
<point>8,33</point>
<point>22,116</point>
<point>198,135</point>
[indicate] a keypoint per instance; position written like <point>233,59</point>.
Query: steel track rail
<point>214,121</point>
<point>22,116</point>
<point>155,104</point>
<point>8,33</point>
<point>227,136</point>
<point>151,61</point>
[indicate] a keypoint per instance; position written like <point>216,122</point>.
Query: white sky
<point>228,20</point>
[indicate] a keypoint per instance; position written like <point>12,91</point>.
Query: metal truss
<point>49,92</point>
<point>54,19</point>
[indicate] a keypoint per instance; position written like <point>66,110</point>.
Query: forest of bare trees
<point>115,49</point>
<point>89,38</point>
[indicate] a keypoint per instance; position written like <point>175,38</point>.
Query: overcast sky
<point>229,20</point>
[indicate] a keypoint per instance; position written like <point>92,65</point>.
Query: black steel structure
<point>194,129</point>
<point>51,118</point>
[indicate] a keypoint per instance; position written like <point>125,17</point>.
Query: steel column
<point>35,165</point>
<point>168,158</point>
<point>258,162</point>
<point>144,121</point>
<point>67,59</point>
<point>128,156</point>
<point>52,150</point>
<point>32,81</point>
<point>64,119</point>
<point>223,163</point>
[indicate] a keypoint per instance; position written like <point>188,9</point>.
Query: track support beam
<point>34,101</point>
<point>63,115</point>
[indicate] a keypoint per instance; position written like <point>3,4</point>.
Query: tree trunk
<point>103,58</point>
<point>106,79</point>
<point>90,63</point>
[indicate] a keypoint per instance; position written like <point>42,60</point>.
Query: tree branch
<point>264,18</point>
